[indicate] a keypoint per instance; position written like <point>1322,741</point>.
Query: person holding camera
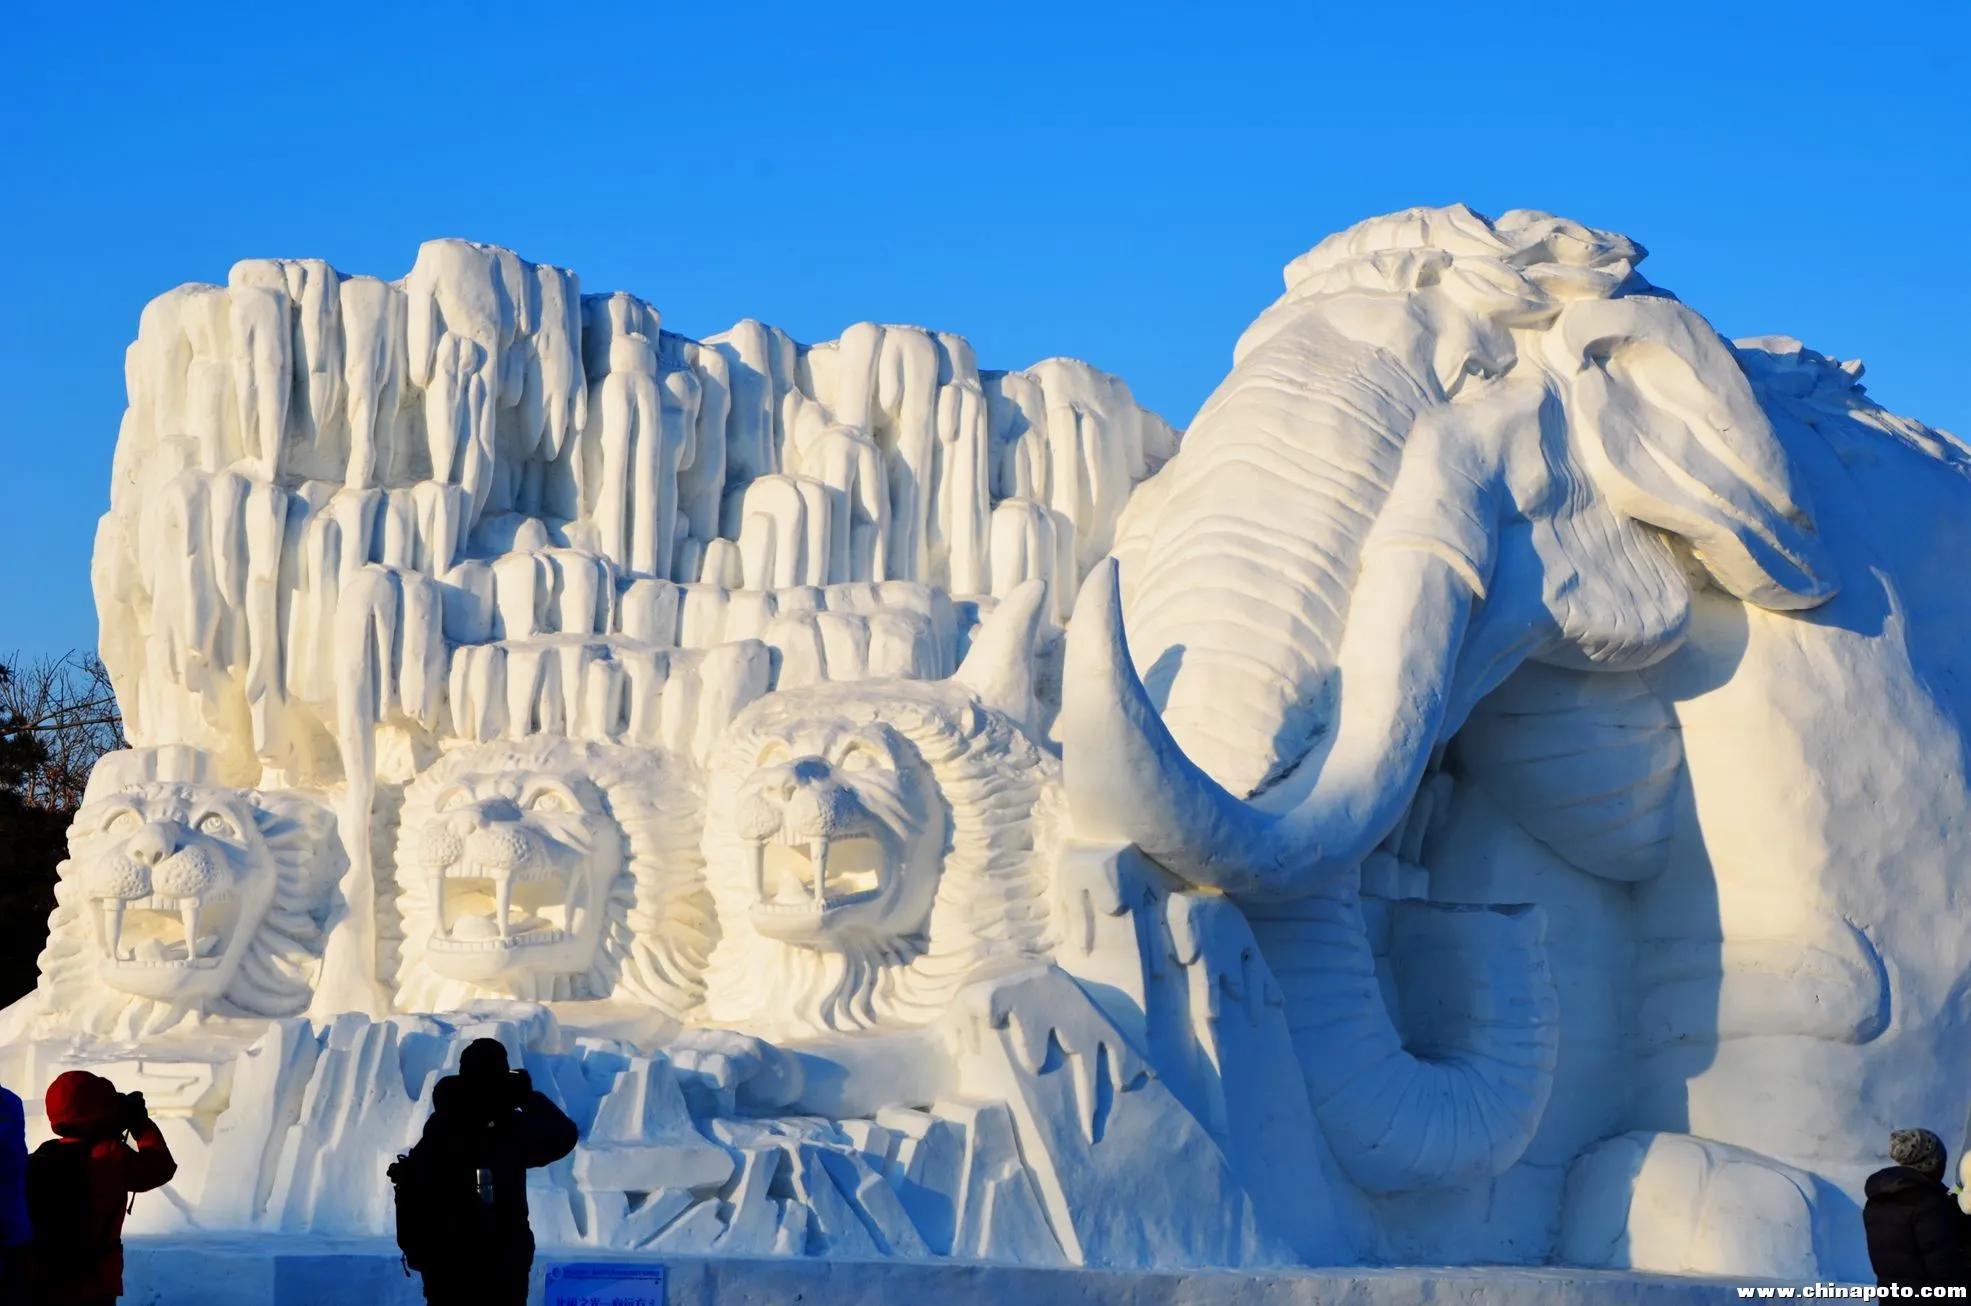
<point>462,1190</point>
<point>79,1185</point>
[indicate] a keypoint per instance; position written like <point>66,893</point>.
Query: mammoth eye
<point>122,822</point>
<point>550,800</point>
<point>217,826</point>
<point>453,799</point>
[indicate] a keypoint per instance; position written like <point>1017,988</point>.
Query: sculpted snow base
<point>1491,801</point>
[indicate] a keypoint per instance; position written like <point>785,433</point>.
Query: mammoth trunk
<point>1236,597</point>
<point>1452,1096</point>
<point>1289,641</point>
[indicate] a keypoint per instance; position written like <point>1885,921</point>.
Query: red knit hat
<point>80,1104</point>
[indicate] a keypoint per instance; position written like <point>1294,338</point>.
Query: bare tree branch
<point>57,716</point>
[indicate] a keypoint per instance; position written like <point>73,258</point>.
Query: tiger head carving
<point>870,845</point>
<point>547,869</point>
<point>184,898</point>
<point>835,811</point>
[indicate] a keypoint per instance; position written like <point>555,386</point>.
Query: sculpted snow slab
<point>1493,797</point>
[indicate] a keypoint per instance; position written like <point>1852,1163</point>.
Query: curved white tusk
<point>1128,780</point>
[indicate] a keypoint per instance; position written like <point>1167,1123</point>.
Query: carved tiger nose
<point>155,842</point>
<point>500,845</point>
<point>790,777</point>
<point>767,798</point>
<point>189,873</point>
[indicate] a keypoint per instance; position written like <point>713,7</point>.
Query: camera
<point>130,1110</point>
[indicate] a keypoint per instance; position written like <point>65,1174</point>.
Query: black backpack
<point>417,1198</point>
<point>60,1206</point>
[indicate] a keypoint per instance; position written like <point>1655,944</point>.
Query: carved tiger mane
<point>997,790</point>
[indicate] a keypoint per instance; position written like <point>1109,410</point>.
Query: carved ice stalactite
<point>265,511</point>
<point>913,628</point>
<point>851,465</point>
<point>241,580</point>
<point>174,524</point>
<point>158,379</point>
<point>1073,440</point>
<point>388,634</point>
<point>630,452</point>
<point>702,483</point>
<point>648,611</point>
<point>1031,541</point>
<point>680,393</point>
<point>557,363</point>
<point>211,413</point>
<point>373,359</point>
<point>759,363</point>
<point>315,433</point>
<point>482,424</point>
<point>906,402</point>
<point>623,689</point>
<point>784,532</point>
<point>963,486</point>
<point>619,689</point>
<point>723,565</point>
<point>264,372</point>
<point>311,580</point>
<point>487,333</point>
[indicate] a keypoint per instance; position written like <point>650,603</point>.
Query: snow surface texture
<point>1493,801</point>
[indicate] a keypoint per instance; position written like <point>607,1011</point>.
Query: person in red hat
<point>79,1185</point>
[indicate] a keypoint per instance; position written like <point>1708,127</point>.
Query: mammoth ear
<point>999,667</point>
<point>1673,437</point>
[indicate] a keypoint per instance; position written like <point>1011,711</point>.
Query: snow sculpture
<point>1462,412</point>
<point>872,845</point>
<point>182,898</point>
<point>1445,576</point>
<point>1464,820</point>
<point>550,869</point>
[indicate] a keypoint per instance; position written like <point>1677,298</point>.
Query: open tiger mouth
<point>161,933</point>
<point>489,909</point>
<point>818,876</point>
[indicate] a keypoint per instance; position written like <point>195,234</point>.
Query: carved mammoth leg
<point>1455,1093</point>
<point>1676,1204</point>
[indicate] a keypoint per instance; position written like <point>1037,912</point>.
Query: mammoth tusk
<point>999,666</point>
<point>1129,780</point>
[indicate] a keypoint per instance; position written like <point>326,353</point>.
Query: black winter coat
<point>1916,1234</point>
<point>505,1127</point>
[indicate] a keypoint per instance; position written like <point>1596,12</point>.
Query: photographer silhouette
<point>462,1191</point>
<point>79,1185</point>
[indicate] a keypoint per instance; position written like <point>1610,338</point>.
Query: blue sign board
<point>623,1284</point>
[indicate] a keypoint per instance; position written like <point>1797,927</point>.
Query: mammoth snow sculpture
<point>1486,793</point>
<point>1504,482</point>
<point>1483,445</point>
<point>1477,444</point>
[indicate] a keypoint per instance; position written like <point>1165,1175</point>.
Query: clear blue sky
<point>1118,182</point>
